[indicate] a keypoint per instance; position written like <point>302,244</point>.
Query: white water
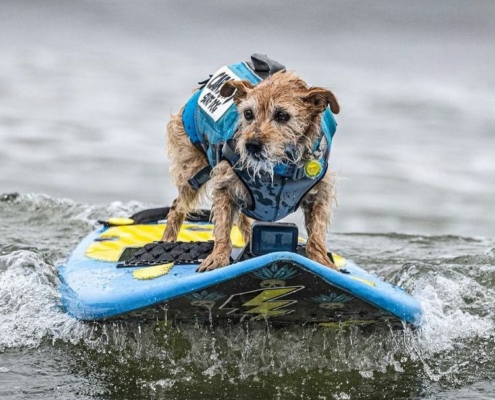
<point>457,299</point>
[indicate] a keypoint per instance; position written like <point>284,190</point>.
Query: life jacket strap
<point>200,177</point>
<point>229,153</point>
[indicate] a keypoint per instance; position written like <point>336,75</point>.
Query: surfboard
<point>121,270</point>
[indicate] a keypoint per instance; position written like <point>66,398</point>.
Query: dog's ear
<point>320,98</point>
<point>238,89</point>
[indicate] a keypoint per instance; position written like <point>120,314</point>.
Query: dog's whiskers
<point>257,168</point>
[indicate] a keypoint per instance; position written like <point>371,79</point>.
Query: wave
<point>451,276</point>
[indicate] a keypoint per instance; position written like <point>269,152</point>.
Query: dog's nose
<point>254,146</point>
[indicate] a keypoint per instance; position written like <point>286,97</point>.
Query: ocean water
<point>86,89</point>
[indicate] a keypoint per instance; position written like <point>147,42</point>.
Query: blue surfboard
<point>121,271</point>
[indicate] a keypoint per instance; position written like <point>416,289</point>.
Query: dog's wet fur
<point>279,121</point>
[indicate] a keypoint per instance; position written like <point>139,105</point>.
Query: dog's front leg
<point>224,211</point>
<point>186,161</point>
<point>175,218</point>
<point>317,205</point>
<point>180,207</point>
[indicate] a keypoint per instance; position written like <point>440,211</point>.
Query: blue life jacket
<point>210,121</point>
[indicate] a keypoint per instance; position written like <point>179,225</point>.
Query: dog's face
<point>278,119</point>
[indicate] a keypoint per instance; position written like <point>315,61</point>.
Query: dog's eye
<point>281,116</point>
<point>248,114</point>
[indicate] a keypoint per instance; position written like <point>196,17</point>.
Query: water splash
<point>46,231</point>
<point>29,303</point>
<point>454,345</point>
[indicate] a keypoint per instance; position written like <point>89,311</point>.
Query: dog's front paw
<point>213,261</point>
<point>321,258</point>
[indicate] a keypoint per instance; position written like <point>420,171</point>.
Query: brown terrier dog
<point>279,121</point>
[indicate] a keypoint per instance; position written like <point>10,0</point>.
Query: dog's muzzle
<point>254,147</point>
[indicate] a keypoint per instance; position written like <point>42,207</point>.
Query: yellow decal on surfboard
<point>119,221</point>
<point>357,278</point>
<point>339,261</point>
<point>152,272</point>
<point>114,240</point>
<point>266,305</point>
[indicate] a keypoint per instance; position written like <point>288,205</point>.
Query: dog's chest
<point>273,198</point>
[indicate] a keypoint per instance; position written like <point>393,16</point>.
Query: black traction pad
<point>166,252</point>
<point>157,253</point>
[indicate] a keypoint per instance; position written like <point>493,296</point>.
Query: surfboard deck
<point>100,281</point>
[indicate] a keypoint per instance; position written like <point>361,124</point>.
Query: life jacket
<point>210,121</point>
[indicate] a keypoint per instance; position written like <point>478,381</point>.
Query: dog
<point>263,143</point>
